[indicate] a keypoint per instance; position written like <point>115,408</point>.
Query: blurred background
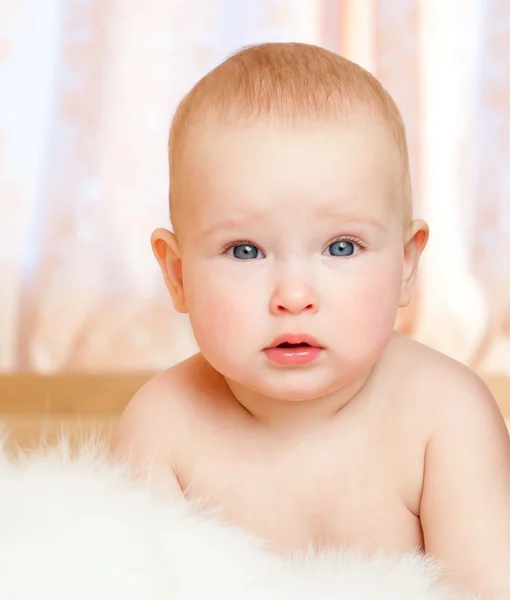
<point>87,92</point>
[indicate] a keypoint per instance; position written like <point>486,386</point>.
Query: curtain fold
<point>87,91</point>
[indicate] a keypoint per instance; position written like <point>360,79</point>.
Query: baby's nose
<point>293,297</point>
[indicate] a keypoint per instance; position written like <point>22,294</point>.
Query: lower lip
<point>301,355</point>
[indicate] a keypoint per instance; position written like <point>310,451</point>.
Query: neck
<point>272,412</point>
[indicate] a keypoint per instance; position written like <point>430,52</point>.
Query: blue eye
<point>245,252</point>
<point>342,248</point>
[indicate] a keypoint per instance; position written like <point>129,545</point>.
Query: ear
<point>416,239</point>
<point>166,250</point>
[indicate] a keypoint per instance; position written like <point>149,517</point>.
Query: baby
<point>305,418</point>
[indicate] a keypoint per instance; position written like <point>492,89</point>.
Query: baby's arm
<point>143,438</point>
<point>465,507</point>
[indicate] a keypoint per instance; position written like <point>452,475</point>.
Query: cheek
<point>224,317</point>
<point>376,308</point>
<point>371,304</point>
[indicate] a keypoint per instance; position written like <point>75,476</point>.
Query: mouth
<point>293,340</point>
<point>294,350</point>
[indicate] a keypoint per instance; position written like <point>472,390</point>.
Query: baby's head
<point>291,205</point>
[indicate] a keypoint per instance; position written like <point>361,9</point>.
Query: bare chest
<point>297,495</point>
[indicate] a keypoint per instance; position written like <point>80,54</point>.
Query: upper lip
<point>295,338</point>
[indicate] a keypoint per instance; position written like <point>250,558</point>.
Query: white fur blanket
<point>74,527</point>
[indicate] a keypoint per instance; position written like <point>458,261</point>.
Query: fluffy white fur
<point>75,527</point>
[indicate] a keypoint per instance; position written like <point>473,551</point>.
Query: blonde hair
<point>285,83</point>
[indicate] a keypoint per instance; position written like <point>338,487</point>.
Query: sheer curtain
<point>87,90</point>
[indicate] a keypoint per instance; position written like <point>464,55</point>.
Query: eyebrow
<point>352,218</point>
<point>231,223</point>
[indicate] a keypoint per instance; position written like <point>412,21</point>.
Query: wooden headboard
<point>32,406</point>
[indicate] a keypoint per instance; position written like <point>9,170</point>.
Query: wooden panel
<point>30,430</point>
<point>108,394</point>
<point>500,387</point>
<point>35,408</point>
<point>69,393</point>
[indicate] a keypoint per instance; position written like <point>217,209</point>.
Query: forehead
<point>261,171</point>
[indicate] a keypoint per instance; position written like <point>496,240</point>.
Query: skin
<point>382,442</point>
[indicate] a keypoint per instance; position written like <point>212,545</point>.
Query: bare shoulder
<point>444,392</point>
<point>157,404</point>
<point>155,420</point>
<point>465,499</point>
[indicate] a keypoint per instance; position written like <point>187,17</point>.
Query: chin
<point>293,395</point>
<point>297,389</point>
<point>301,387</point>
